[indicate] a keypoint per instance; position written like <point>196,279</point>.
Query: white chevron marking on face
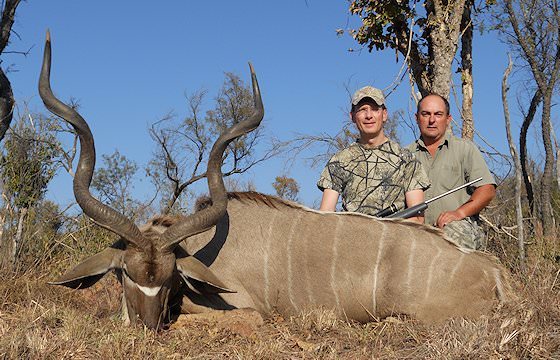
<point>149,291</point>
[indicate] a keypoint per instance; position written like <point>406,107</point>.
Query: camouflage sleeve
<point>419,179</point>
<point>415,173</point>
<point>331,177</point>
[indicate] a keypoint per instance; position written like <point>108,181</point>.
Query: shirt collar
<point>371,147</point>
<point>422,146</point>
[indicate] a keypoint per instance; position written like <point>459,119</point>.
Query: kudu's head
<point>146,259</point>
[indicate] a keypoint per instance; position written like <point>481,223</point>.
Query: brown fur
<point>278,203</point>
<point>274,202</point>
<point>281,256</point>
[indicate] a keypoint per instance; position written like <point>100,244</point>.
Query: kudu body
<point>272,255</point>
<point>280,256</point>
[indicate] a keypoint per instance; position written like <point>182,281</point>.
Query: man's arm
<point>415,197</point>
<point>329,200</point>
<point>480,198</point>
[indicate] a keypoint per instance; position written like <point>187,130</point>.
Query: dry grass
<point>38,321</point>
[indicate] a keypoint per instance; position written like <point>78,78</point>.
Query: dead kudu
<point>271,255</point>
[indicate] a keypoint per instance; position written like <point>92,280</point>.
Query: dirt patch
<point>244,322</point>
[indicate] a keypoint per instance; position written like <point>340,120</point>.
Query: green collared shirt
<point>370,179</point>
<point>456,162</point>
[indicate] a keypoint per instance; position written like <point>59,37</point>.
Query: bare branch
<point>183,146</point>
<point>517,168</point>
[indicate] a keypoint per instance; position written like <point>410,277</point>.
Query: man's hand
<point>447,217</point>
<point>481,197</point>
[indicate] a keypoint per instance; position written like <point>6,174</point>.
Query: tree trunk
<point>3,214</point>
<point>557,148</point>
<point>545,76</point>
<point>517,169</point>
<point>467,131</point>
<point>523,154</point>
<point>6,95</point>
<point>6,104</point>
<point>4,247</point>
<point>444,36</point>
<point>546,186</point>
<point>19,234</point>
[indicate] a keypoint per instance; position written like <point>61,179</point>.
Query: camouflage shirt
<point>370,179</point>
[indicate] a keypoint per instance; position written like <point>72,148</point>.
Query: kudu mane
<point>259,199</point>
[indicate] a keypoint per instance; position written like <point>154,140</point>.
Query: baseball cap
<point>370,92</point>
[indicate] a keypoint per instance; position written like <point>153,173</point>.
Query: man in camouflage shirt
<point>451,162</point>
<point>375,172</point>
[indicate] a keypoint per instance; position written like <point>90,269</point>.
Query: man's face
<point>369,117</point>
<point>432,119</point>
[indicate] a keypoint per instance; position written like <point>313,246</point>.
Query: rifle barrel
<point>453,190</point>
<point>417,209</point>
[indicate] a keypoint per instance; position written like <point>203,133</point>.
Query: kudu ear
<point>191,267</point>
<point>91,270</point>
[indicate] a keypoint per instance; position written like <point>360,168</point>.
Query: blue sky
<point>129,63</point>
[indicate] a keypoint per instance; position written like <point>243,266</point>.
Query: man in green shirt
<point>450,162</point>
<point>374,172</point>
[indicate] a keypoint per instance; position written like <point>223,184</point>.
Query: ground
<point>40,321</point>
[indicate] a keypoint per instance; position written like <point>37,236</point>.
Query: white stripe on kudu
<point>411,257</point>
<point>376,267</point>
<point>291,284</point>
<point>431,269</point>
<point>268,238</point>
<point>334,253</point>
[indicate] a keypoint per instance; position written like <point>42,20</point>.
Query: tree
<point>427,39</point>
<point>426,34</point>
<point>517,169</point>
<point>26,167</point>
<point>286,187</point>
<point>6,95</point>
<point>113,182</point>
<point>523,153</point>
<point>43,229</point>
<point>532,27</point>
<point>183,147</point>
<point>467,85</point>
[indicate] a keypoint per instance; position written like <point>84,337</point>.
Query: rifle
<point>418,209</point>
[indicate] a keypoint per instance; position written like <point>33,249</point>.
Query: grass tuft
<point>39,321</point>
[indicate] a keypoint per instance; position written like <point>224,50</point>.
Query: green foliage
<point>383,22</point>
<point>113,182</point>
<point>28,162</point>
<point>42,233</point>
<point>183,147</point>
<point>286,187</point>
<point>234,104</point>
<point>426,33</point>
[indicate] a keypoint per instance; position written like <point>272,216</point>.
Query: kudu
<point>249,250</point>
